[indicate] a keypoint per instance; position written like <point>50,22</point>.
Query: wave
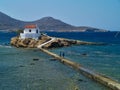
<point>6,46</point>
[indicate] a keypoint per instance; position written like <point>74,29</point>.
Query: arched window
<point>29,30</point>
<point>36,30</point>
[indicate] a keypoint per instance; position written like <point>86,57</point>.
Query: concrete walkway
<point>94,76</point>
<point>52,39</point>
<point>112,84</point>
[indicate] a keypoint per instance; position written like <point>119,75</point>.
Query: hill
<point>45,24</point>
<point>7,22</point>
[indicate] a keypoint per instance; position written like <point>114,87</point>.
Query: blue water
<point>5,37</point>
<point>107,37</point>
<point>18,70</point>
<point>104,59</point>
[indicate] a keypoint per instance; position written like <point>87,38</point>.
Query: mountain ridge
<point>45,24</point>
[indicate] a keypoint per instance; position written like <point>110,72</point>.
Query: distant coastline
<point>9,30</point>
<point>45,24</point>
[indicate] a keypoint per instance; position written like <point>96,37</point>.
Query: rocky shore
<point>58,42</point>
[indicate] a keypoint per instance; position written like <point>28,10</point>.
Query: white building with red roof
<point>31,31</point>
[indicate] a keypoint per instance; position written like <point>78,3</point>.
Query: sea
<point>31,69</point>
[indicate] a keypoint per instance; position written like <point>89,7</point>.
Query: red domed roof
<point>30,26</point>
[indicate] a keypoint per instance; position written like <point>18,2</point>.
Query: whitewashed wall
<point>32,34</point>
<point>27,35</point>
<point>32,30</point>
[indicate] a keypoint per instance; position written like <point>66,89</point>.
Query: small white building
<point>31,31</point>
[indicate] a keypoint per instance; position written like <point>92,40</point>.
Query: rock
<point>80,80</point>
<point>35,59</point>
<point>21,66</point>
<point>58,42</point>
<point>32,63</point>
<point>52,59</point>
<point>84,54</point>
<point>28,43</point>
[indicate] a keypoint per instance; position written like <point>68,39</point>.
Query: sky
<point>104,14</point>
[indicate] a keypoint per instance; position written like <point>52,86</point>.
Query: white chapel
<point>31,31</point>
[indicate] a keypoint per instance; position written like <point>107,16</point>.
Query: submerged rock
<point>32,63</point>
<point>52,59</point>
<point>84,54</point>
<point>35,59</point>
<point>21,66</point>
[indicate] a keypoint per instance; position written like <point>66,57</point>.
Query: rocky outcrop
<point>58,42</point>
<point>28,43</point>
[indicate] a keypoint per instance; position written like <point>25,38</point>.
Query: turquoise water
<point>103,59</point>
<point>19,70</point>
<point>98,58</point>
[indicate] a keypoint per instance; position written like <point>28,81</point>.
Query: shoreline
<point>56,43</point>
